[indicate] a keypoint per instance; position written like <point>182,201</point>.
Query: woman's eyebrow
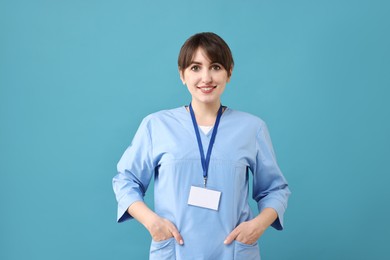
<point>200,63</point>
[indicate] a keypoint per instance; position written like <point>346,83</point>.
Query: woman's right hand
<point>158,227</point>
<point>163,229</point>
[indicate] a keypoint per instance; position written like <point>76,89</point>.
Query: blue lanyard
<point>205,161</point>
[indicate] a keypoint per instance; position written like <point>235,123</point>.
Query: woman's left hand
<point>250,231</point>
<point>247,232</point>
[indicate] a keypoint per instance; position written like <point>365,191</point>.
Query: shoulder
<point>246,118</point>
<point>163,116</point>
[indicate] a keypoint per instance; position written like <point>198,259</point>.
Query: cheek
<point>221,77</point>
<point>192,79</point>
<point>222,80</point>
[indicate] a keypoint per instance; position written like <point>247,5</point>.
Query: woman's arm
<point>270,191</point>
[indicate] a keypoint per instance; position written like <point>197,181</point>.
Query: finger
<point>229,239</point>
<point>176,234</point>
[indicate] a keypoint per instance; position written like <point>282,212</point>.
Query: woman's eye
<point>216,67</point>
<point>195,68</point>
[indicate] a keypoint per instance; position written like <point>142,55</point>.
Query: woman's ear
<point>181,73</point>
<point>229,74</point>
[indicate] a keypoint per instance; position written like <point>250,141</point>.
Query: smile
<point>207,89</point>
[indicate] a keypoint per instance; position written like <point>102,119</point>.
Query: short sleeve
<point>270,188</point>
<point>135,170</point>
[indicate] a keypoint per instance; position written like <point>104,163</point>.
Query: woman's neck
<point>205,114</point>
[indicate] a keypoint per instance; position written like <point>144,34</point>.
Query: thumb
<point>232,236</point>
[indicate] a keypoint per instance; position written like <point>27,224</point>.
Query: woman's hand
<point>250,231</point>
<point>162,229</point>
<point>158,227</point>
<point>247,232</point>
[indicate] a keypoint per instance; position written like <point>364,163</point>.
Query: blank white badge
<point>204,198</point>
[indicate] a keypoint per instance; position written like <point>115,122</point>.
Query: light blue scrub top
<point>165,148</point>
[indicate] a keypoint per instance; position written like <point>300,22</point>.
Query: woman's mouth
<point>207,89</point>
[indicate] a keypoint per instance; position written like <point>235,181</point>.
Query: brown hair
<point>214,46</point>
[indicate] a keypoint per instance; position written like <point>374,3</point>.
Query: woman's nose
<point>206,76</point>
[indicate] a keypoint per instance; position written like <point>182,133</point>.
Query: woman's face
<point>205,80</point>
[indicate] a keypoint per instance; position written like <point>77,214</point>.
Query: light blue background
<point>76,78</point>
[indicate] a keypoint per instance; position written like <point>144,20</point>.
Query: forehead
<point>200,56</point>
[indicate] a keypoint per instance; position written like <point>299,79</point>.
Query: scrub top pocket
<point>163,250</point>
<point>246,252</point>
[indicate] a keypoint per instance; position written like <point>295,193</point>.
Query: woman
<point>200,156</point>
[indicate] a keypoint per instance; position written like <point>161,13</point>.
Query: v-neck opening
<point>211,130</point>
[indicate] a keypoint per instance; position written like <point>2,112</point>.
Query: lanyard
<point>205,161</point>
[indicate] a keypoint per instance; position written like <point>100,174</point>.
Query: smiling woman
<point>206,81</point>
<point>205,65</point>
<point>201,179</point>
